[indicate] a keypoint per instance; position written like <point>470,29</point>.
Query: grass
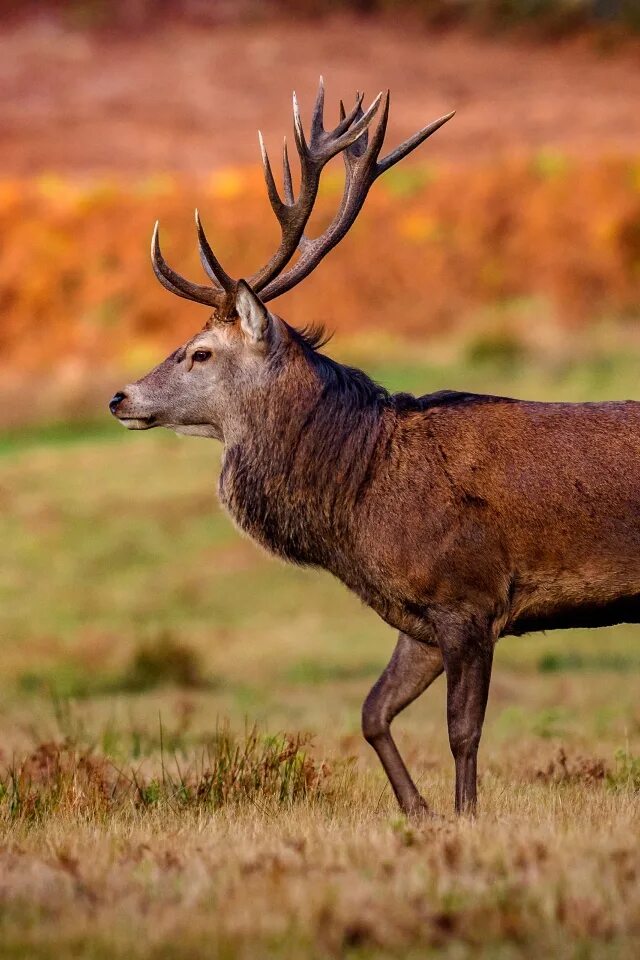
<point>56,434</point>
<point>181,768</point>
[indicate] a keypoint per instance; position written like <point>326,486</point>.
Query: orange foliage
<point>432,247</point>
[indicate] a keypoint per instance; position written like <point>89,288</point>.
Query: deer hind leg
<point>412,668</point>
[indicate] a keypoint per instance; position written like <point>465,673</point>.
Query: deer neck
<point>296,478</point>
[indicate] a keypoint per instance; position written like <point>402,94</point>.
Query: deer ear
<point>254,316</point>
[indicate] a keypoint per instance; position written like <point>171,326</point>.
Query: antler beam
<point>323,145</point>
<point>362,167</point>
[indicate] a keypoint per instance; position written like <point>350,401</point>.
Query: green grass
<point>136,624</point>
<point>56,434</point>
<point>110,546</point>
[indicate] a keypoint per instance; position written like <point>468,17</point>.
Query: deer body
<point>525,512</point>
<point>458,518</point>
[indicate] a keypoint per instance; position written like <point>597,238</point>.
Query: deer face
<point>202,388</point>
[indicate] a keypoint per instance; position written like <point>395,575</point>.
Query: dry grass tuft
<point>321,881</point>
<point>564,769</point>
<point>265,771</point>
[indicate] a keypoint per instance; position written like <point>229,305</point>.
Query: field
<point>182,772</point>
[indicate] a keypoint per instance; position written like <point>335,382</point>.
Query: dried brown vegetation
<point>93,864</point>
<point>500,236</point>
<point>275,874</point>
<point>564,769</point>
<point>229,771</point>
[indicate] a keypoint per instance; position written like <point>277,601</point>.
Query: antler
<point>323,146</point>
<point>217,296</point>
<point>362,169</point>
<point>350,137</point>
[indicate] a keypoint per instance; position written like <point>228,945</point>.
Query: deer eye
<point>200,356</point>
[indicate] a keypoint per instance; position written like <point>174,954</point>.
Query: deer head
<point>204,386</point>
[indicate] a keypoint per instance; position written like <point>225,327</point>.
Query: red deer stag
<point>458,517</point>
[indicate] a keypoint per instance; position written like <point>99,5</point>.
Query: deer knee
<point>464,739</point>
<point>374,721</point>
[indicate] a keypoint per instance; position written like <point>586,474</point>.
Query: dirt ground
<point>190,99</point>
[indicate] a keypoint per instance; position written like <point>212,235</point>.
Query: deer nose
<point>115,401</point>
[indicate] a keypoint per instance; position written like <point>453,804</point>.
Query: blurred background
<point>510,239</point>
<point>503,256</point>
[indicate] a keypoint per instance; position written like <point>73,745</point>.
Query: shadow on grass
<point>161,662</point>
<point>567,662</point>
<point>314,672</point>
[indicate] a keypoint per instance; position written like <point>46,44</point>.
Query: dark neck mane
<point>314,442</point>
<point>296,481</point>
<point>352,386</point>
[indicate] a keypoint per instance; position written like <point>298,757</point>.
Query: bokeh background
<point>511,237</point>
<point>503,256</point>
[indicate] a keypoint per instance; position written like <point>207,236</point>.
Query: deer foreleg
<point>468,669</point>
<point>413,666</point>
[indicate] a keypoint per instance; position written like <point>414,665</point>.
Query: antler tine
<point>272,191</point>
<point>360,145</point>
<point>212,266</point>
<point>293,214</point>
<point>362,169</point>
<point>412,142</point>
<point>288,189</point>
<point>317,118</point>
<point>347,119</point>
<point>298,129</point>
<point>174,283</point>
<point>286,175</point>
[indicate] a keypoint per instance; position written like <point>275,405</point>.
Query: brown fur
<point>459,518</point>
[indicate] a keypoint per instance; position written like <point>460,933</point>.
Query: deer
<point>459,518</point>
